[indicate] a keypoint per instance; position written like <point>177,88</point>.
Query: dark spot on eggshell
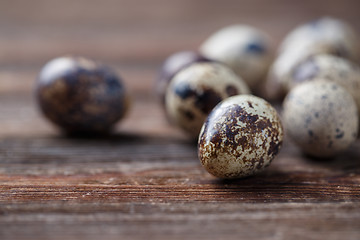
<point>255,47</point>
<point>339,135</point>
<point>188,114</point>
<point>274,148</point>
<point>231,90</point>
<point>311,133</point>
<point>260,163</point>
<point>262,124</point>
<point>207,100</point>
<point>184,91</point>
<point>340,51</point>
<point>247,118</point>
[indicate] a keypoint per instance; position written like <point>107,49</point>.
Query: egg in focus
<point>240,137</point>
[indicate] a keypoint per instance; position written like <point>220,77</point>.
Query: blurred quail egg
<point>321,118</point>
<point>330,68</point>
<point>280,71</point>
<point>240,137</point>
<point>80,95</point>
<point>172,65</point>
<point>325,32</point>
<point>243,48</point>
<point>195,90</point>
<point>321,36</point>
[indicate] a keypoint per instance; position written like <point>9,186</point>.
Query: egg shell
<point>195,91</point>
<point>325,31</point>
<point>240,138</point>
<point>80,95</point>
<point>321,36</point>
<point>330,68</point>
<point>321,118</point>
<point>173,64</point>
<point>246,50</point>
<point>281,69</point>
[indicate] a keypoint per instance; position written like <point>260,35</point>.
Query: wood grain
<point>145,180</point>
<point>139,185</point>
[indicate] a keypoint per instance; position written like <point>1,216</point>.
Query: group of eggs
<point>315,68</point>
<point>208,94</point>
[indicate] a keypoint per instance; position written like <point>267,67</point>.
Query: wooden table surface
<point>145,181</point>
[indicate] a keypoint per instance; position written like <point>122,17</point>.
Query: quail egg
<point>321,118</point>
<point>172,65</point>
<point>330,68</point>
<point>240,137</point>
<point>243,48</point>
<point>321,36</point>
<point>195,90</point>
<point>280,71</point>
<point>80,96</point>
<point>325,32</point>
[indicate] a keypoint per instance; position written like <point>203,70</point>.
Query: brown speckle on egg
<point>240,137</point>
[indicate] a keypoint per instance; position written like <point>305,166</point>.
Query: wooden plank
<point>189,221</point>
<point>145,181</point>
<point>129,32</point>
<point>113,186</point>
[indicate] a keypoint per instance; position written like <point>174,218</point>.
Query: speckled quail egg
<point>321,36</point>
<point>325,32</point>
<point>244,49</point>
<point>195,90</point>
<point>172,65</point>
<point>280,71</point>
<point>330,68</point>
<point>80,96</point>
<point>240,138</point>
<point>321,118</point>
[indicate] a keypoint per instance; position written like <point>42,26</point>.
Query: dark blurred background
<point>133,35</point>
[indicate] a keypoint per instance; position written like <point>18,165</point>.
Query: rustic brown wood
<point>145,181</point>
